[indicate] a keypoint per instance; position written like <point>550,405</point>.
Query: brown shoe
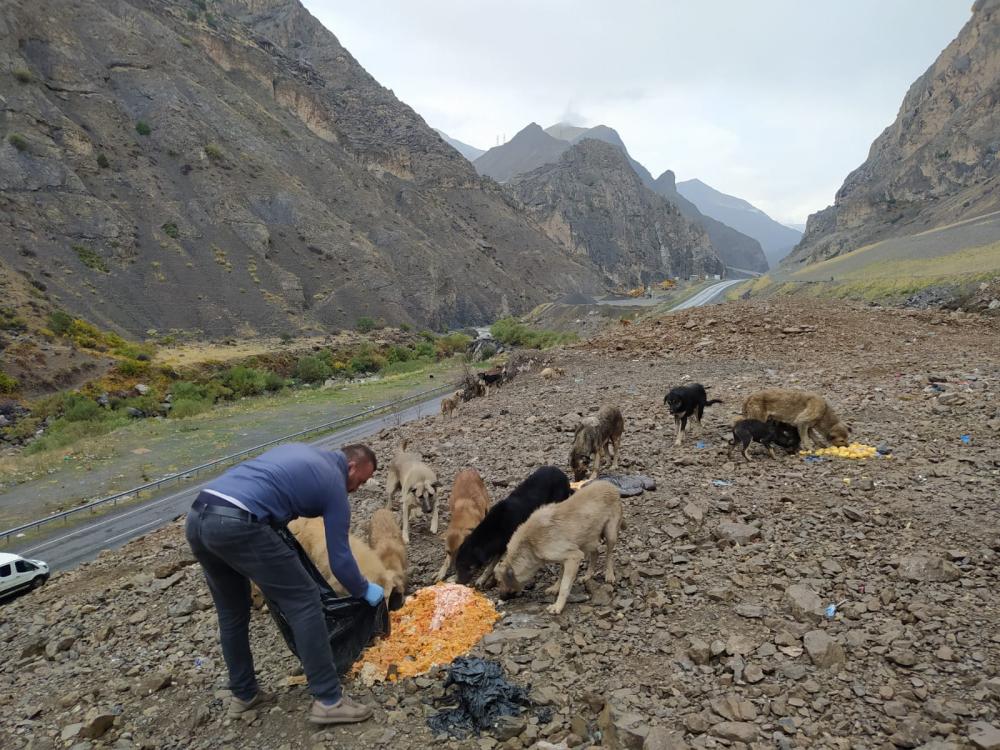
<point>238,706</point>
<point>344,711</point>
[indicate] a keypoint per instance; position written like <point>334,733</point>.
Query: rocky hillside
<point>715,633</point>
<point>231,168</point>
<point>469,152</point>
<point>775,239</point>
<point>735,248</point>
<point>592,202</point>
<point>937,163</point>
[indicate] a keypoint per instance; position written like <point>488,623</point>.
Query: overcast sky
<point>774,101</point>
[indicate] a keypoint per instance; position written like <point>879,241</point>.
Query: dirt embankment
<point>715,634</point>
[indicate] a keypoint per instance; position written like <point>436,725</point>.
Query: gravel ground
<point>715,635</point>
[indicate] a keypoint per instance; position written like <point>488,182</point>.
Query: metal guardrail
<point>188,473</point>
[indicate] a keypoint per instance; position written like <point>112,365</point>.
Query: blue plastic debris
<point>721,483</point>
<point>813,459</point>
<point>831,611</point>
<point>700,444</point>
<point>966,439</point>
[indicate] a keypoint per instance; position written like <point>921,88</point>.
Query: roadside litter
<point>854,450</point>
<point>628,486</point>
<point>483,695</point>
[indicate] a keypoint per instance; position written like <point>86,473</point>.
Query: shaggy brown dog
<point>387,541</point>
<point>567,533</point>
<point>416,481</point>
<point>592,438</point>
<point>808,412</point>
<point>468,504</point>
<point>551,373</point>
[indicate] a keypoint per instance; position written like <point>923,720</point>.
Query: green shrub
<point>453,343</point>
<point>399,354</point>
<point>22,75</point>
<point>18,141</point>
<point>79,408</point>
<point>509,331</point>
<point>245,381</point>
<point>131,368</point>
<point>210,20</point>
<point>91,258</point>
<point>314,369</point>
<point>404,327</point>
<point>424,349</point>
<point>188,407</point>
<point>62,432</point>
<point>214,153</point>
<point>170,229</point>
<point>59,322</point>
<point>10,322</point>
<point>192,16</point>
<point>8,384</point>
<point>102,161</point>
<point>273,382</point>
<point>142,128</point>
<point>366,360</point>
<point>365,324</point>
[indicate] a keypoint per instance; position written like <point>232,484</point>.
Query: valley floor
<point>714,635</point>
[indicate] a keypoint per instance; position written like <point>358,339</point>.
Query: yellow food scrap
<point>434,625</point>
<point>854,450</point>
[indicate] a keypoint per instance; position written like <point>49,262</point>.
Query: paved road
<point>705,296</point>
<point>67,548</point>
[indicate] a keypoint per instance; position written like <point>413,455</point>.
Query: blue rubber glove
<point>374,594</point>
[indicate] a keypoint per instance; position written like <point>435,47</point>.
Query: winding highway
<point>707,295</point>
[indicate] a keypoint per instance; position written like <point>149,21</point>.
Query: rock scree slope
<point>715,634</point>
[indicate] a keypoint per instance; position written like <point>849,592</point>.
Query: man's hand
<point>374,594</point>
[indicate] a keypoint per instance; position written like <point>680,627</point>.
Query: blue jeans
<point>233,552</point>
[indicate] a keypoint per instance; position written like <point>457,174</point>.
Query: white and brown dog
<point>416,482</point>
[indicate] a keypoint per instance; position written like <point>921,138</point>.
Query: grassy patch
<point>170,229</point>
<point>214,152</point>
<point>142,128</point>
<point>9,321</point>
<point>22,75</point>
<point>365,324</point>
<point>91,258</point>
<point>8,384</point>
<point>102,161</point>
<point>512,333</point>
<point>18,141</point>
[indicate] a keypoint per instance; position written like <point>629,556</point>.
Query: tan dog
<point>387,541</point>
<point>450,403</point>
<point>415,481</point>
<point>311,534</point>
<point>592,440</point>
<point>567,533</point>
<point>468,504</point>
<point>808,412</point>
<point>551,373</point>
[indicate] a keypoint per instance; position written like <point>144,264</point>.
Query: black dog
<point>488,541</point>
<point>769,433</point>
<point>686,401</point>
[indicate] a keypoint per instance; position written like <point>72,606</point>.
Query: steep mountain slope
<point>937,163</point>
<point>593,202</point>
<point>529,149</point>
<point>776,239</point>
<point>469,152</point>
<point>237,171</point>
<point>735,248</point>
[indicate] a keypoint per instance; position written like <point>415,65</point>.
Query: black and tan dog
<point>685,402</point>
<point>594,438</point>
<point>769,433</point>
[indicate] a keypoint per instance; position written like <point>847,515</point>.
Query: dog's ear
<point>508,579</point>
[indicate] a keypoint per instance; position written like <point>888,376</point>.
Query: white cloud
<point>772,101</point>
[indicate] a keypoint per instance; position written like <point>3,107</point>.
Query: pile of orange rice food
<point>433,626</point>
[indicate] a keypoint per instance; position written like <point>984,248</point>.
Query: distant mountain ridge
<point>777,240</point>
<point>534,147</point>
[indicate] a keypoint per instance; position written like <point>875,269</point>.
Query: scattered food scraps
<point>434,625</point>
<point>854,450</point>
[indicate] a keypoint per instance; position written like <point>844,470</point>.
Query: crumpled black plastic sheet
<point>634,484</point>
<point>483,694</point>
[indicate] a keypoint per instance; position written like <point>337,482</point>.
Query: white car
<point>18,574</point>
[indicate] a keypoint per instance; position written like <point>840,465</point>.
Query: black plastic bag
<point>352,623</point>
<point>483,694</point>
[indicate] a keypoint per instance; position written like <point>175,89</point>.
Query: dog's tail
<point>403,445</point>
<point>713,401</point>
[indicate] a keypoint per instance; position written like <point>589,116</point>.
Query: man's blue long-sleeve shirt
<point>297,480</point>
